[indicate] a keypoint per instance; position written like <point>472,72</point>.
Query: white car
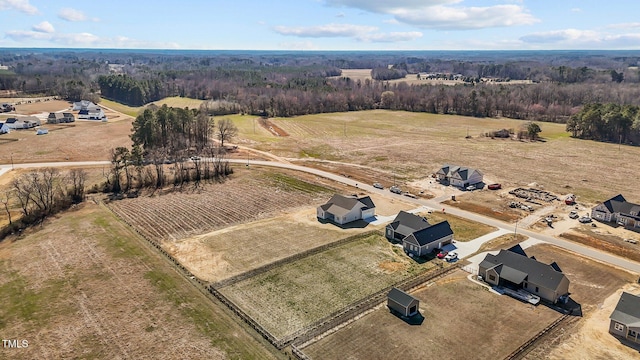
<point>451,256</point>
<point>378,186</point>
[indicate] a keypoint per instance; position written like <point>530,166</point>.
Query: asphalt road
<point>568,245</point>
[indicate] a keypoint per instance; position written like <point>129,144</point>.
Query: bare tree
<point>5,201</point>
<point>77,179</point>
<point>227,130</point>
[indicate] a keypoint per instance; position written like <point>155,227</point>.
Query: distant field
<point>297,294</point>
<point>125,109</point>
<point>174,101</point>
<point>414,145</point>
<point>85,286</point>
<point>412,79</point>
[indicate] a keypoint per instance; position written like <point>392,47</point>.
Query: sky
<point>323,24</point>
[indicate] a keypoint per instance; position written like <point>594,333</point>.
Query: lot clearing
<point>454,309</point>
<point>414,145</point>
<point>606,238</point>
<point>294,295</point>
<point>86,286</point>
<point>490,203</point>
<point>464,230</point>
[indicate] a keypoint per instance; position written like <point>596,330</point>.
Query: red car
<point>442,254</point>
<point>494,187</point>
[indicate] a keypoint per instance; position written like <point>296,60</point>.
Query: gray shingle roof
<point>537,272</point>
<point>400,297</point>
<point>406,223</point>
<point>628,310</point>
<point>340,205</point>
<point>618,204</point>
<point>433,233</point>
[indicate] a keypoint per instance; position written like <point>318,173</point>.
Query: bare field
<point>248,195</point>
<point>224,253</point>
<point>463,229</point>
<point>42,106</point>
<point>289,297</point>
<point>457,312</point>
<point>414,145</point>
<point>85,286</point>
<point>490,203</point>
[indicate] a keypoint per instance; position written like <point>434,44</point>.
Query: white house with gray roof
<point>513,269</point>
<point>625,319</point>
<point>345,209</point>
<point>618,210</point>
<point>459,176</point>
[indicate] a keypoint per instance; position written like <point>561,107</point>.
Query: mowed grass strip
<point>297,294</point>
<point>463,230</point>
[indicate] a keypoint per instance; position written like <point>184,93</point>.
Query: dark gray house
<point>404,225</point>
<point>513,269</point>
<point>400,302</point>
<point>625,319</point>
<point>423,241</point>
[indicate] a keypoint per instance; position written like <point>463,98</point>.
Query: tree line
<point>606,122</point>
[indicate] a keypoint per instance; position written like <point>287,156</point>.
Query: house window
<point>492,278</point>
<point>536,289</point>
<point>618,327</point>
<point>632,333</point>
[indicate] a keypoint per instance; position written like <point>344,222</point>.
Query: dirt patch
<point>607,243</point>
<point>453,308</point>
<point>463,229</point>
<point>38,106</point>
<point>272,128</point>
<point>392,266</point>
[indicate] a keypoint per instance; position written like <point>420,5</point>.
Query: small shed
<point>400,302</point>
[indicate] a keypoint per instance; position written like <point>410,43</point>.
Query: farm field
<point>456,312</point>
<point>248,195</point>
<point>414,145</point>
<point>412,79</point>
<point>289,297</point>
<point>86,286</point>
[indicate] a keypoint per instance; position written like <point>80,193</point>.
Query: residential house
<point>83,104</point>
<point>424,241</point>
<point>91,113</point>
<point>459,176</point>
<point>625,319</point>
<point>404,225</point>
<point>15,124</point>
<point>31,121</point>
<point>60,118</point>
<point>345,209</point>
<point>513,269</point>
<point>402,303</point>
<point>618,210</point>
<point>4,129</point>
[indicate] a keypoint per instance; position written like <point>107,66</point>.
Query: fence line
<point>524,347</point>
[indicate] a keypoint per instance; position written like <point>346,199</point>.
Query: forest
<point>559,86</point>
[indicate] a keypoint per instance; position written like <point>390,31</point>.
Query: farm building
<point>459,176</point>
<point>513,269</point>
<point>618,210</point>
<point>625,319</point>
<point>422,242</point>
<point>404,225</point>
<point>345,209</point>
<point>402,303</point>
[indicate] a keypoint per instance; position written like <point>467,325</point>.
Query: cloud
<point>299,45</point>
<point>444,14</point>
<point>20,5</point>
<point>22,35</point>
<point>72,15</point>
<point>583,39</point>
<point>86,40</point>
<point>329,30</point>
<point>391,21</point>
<point>391,37</point>
<point>340,15</point>
<point>632,25</point>
<point>576,10</point>
<point>44,27</point>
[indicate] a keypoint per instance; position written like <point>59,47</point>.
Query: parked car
<point>495,186</point>
<point>585,219</point>
<point>451,256</point>
<point>378,186</point>
<point>573,215</point>
<point>442,254</point>
<point>471,187</point>
<point>396,190</point>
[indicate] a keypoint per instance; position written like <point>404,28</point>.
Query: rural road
<point>568,245</point>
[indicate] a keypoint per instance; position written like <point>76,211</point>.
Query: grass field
<point>462,321</point>
<point>234,250</point>
<point>416,144</point>
<point>294,295</point>
<point>464,230</point>
<point>133,111</point>
<point>86,286</point>
<point>502,242</point>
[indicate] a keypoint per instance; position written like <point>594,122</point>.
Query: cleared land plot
<point>490,203</point>
<point>85,286</point>
<point>462,321</point>
<point>463,230</point>
<point>602,239</point>
<point>414,145</point>
<point>287,298</point>
<point>234,250</point>
<point>248,195</point>
<point>42,106</point>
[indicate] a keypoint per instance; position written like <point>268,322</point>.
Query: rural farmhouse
<point>345,209</point>
<point>513,269</point>
<point>625,319</point>
<point>402,303</point>
<point>459,176</point>
<point>618,210</point>
<point>418,237</point>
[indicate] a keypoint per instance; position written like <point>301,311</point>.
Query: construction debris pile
<point>533,194</point>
